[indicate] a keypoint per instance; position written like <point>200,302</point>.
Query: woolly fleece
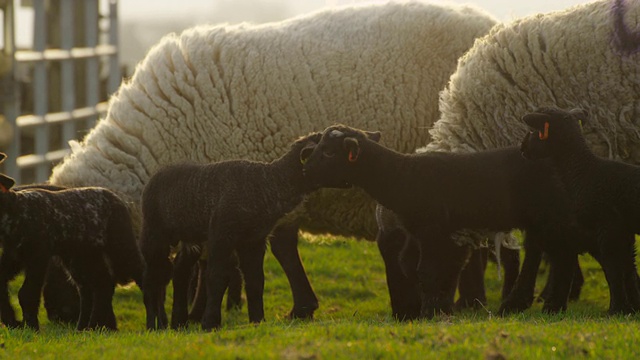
<point>587,56</point>
<point>245,92</point>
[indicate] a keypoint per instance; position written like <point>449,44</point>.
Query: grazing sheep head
<point>551,129</point>
<point>332,161</point>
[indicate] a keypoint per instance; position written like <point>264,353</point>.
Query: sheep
<point>399,251</point>
<point>230,207</point>
<point>584,56</point>
<point>220,92</point>
<point>604,194</point>
<point>88,229</point>
<point>435,194</point>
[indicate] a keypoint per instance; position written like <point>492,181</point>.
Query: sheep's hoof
<point>621,310</point>
<point>406,316</point>
<point>511,306</point>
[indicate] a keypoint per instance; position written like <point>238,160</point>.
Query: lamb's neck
<point>382,173</point>
<point>574,159</point>
<point>287,171</point>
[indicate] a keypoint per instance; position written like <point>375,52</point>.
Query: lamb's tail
<point>121,248</point>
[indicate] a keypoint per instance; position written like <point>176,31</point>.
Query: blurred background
<point>60,60</point>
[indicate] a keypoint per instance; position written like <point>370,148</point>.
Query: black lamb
<point>227,207</point>
<point>436,194</point>
<point>88,229</point>
<point>604,193</point>
<point>399,252</point>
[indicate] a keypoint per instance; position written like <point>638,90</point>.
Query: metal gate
<point>55,91</point>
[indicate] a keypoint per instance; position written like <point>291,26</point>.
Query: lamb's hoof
<point>466,303</point>
<point>13,324</point>
<point>302,312</point>
<point>548,308</point>
<point>406,316</point>
<point>621,310</point>
<point>182,325</point>
<point>233,305</point>
<point>511,306</point>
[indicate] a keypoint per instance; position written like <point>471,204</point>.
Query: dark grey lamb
<point>436,194</point>
<point>229,207</point>
<point>604,193</point>
<point>88,229</point>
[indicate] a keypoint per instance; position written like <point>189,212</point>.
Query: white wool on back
<point>571,58</point>
<point>246,92</point>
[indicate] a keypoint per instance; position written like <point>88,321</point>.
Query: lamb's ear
<point>580,114</point>
<point>373,135</point>
<point>6,183</point>
<point>2,157</point>
<point>536,120</point>
<point>351,145</point>
<point>305,153</point>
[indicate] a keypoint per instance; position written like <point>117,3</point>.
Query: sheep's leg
<point>183,263</point>
<point>521,296</point>
<point>31,290</point>
<point>220,261</point>
<point>471,285</point>
<point>284,246</point>
<point>251,257</point>
<point>8,271</point>
<point>403,292</point>
<point>510,260</point>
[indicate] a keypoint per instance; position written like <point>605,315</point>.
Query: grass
<point>353,322</point>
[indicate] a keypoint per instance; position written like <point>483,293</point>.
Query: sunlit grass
<point>353,322</point>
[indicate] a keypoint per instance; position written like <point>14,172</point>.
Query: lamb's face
<point>551,129</point>
<point>332,162</point>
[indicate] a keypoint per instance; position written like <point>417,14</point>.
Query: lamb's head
<point>552,129</point>
<point>304,146</point>
<point>332,162</point>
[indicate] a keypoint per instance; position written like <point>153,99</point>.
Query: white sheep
<point>224,92</point>
<point>585,56</point>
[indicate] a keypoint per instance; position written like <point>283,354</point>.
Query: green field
<point>353,322</point>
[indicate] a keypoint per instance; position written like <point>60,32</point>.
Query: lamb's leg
<point>102,315</point>
<point>510,261</point>
<point>183,263</point>
<point>563,263</point>
<point>86,304</point>
<point>251,257</point>
<point>471,285</point>
<point>617,259</point>
<point>8,271</point>
<point>403,292</point>
<point>430,275</point>
<point>521,296</point>
<point>31,290</point>
<point>234,290</point>
<point>220,261</point>
<point>576,283</point>
<point>154,245</point>
<point>284,246</point>
<point>452,260</point>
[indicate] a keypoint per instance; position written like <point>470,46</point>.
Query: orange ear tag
<point>3,189</point>
<point>544,136</point>
<point>352,157</point>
